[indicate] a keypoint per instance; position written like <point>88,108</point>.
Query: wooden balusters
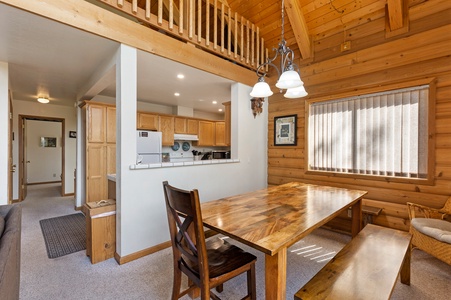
<point>239,38</point>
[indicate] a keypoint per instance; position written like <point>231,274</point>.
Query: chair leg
<point>220,288</point>
<point>177,281</point>
<point>251,286</point>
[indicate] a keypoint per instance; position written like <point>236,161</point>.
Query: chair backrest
<point>187,232</point>
<point>447,207</point>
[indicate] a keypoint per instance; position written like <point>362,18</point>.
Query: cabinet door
<point>167,129</point>
<point>111,124</point>
<point>95,123</point>
<point>147,121</point>
<point>180,125</point>
<point>95,173</point>
<point>206,133</point>
<point>192,126</point>
<point>110,159</point>
<point>228,122</point>
<point>220,134</point>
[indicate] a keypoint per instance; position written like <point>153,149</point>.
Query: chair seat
<point>435,228</point>
<point>223,258</point>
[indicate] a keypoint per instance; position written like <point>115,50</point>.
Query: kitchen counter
<point>182,163</point>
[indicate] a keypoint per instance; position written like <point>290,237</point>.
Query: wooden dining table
<point>272,219</point>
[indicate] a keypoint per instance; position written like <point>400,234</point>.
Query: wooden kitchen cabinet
<point>192,126</point>
<point>220,139</point>
<point>206,133</point>
<point>100,160</point>
<point>166,125</point>
<point>148,121</point>
<point>180,125</point>
<point>228,122</point>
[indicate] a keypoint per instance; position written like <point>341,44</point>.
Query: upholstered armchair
<point>431,229</point>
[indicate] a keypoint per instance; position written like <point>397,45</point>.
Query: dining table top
<point>276,217</point>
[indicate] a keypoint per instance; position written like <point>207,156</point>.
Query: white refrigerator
<point>148,147</point>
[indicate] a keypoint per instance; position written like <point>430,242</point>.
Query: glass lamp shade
<point>297,92</point>
<point>289,79</point>
<point>261,90</point>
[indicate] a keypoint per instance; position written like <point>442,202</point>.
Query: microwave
<point>220,154</point>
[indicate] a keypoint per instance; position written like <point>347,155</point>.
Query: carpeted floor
<point>74,277</point>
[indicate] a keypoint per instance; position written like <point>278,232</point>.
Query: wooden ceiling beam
<point>299,26</point>
<point>395,14</point>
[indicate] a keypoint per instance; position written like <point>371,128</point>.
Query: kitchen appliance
<point>148,147</point>
<point>220,154</point>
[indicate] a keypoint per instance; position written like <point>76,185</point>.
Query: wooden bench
<point>366,268</point>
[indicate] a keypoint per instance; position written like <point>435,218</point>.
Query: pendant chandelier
<point>290,79</point>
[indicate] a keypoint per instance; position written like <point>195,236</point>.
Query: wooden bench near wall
<point>366,268</point>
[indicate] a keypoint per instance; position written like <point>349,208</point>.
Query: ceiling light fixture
<point>290,79</point>
<point>43,100</point>
<point>214,102</point>
<point>180,76</point>
<point>176,94</point>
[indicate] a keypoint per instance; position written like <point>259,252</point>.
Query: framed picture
<point>73,134</point>
<point>285,130</point>
<point>48,141</point>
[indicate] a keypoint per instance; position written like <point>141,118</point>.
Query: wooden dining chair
<point>207,264</point>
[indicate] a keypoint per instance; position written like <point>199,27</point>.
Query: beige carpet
<point>74,277</point>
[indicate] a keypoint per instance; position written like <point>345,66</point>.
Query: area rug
<point>64,235</point>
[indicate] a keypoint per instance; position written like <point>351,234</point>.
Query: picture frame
<point>73,134</point>
<point>48,142</point>
<point>285,130</point>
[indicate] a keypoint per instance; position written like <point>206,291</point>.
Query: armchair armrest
<point>428,212</point>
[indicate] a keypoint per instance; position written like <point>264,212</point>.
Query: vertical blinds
<point>377,134</point>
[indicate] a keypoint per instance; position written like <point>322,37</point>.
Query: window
<point>381,134</point>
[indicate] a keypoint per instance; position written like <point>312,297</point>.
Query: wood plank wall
<point>376,60</point>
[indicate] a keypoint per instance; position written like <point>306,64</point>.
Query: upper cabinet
<point>220,139</point>
<point>228,121</point>
<point>147,121</point>
<point>192,126</point>
<point>166,126</point>
<point>180,125</point>
<point>206,133</point>
<point>95,117</point>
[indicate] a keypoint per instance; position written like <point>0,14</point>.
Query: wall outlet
<point>346,46</point>
<point>54,175</point>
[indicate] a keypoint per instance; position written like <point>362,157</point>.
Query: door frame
<point>21,165</point>
<point>12,167</point>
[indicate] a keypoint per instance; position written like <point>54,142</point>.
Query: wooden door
<point>192,126</point>
<point>147,121</point>
<point>167,129</point>
<point>96,124</point>
<point>206,133</point>
<point>22,161</point>
<point>95,173</point>
<point>179,125</point>
<point>12,167</point>
<point>220,139</point>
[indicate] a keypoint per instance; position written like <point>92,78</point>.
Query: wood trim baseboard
<point>68,194</point>
<point>128,258</point>
<point>44,182</point>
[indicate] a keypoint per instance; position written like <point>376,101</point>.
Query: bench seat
<point>366,268</point>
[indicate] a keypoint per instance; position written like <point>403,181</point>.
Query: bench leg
<point>405,268</point>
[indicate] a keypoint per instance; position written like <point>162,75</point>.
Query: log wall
<point>376,59</point>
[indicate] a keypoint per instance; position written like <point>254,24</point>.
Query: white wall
<point>142,218</point>
<point>4,125</point>
<point>67,113</point>
<point>45,162</point>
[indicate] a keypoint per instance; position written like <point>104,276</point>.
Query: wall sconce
<point>257,106</point>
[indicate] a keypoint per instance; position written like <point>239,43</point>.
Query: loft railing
<point>209,24</point>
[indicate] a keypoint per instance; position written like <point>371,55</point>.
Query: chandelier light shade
<point>290,79</point>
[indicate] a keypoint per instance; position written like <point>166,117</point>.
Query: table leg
<point>276,275</point>
<point>405,269</point>
<point>356,218</point>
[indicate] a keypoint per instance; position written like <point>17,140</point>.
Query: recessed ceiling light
<point>214,102</point>
<point>220,109</point>
<point>43,100</point>
<point>201,100</point>
<point>180,76</point>
<point>176,94</point>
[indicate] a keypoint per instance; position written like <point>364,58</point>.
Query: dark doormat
<point>64,235</point>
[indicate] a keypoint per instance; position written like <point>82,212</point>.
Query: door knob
<point>28,161</point>
<point>13,168</point>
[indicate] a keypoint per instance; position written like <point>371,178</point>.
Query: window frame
<point>429,180</point>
